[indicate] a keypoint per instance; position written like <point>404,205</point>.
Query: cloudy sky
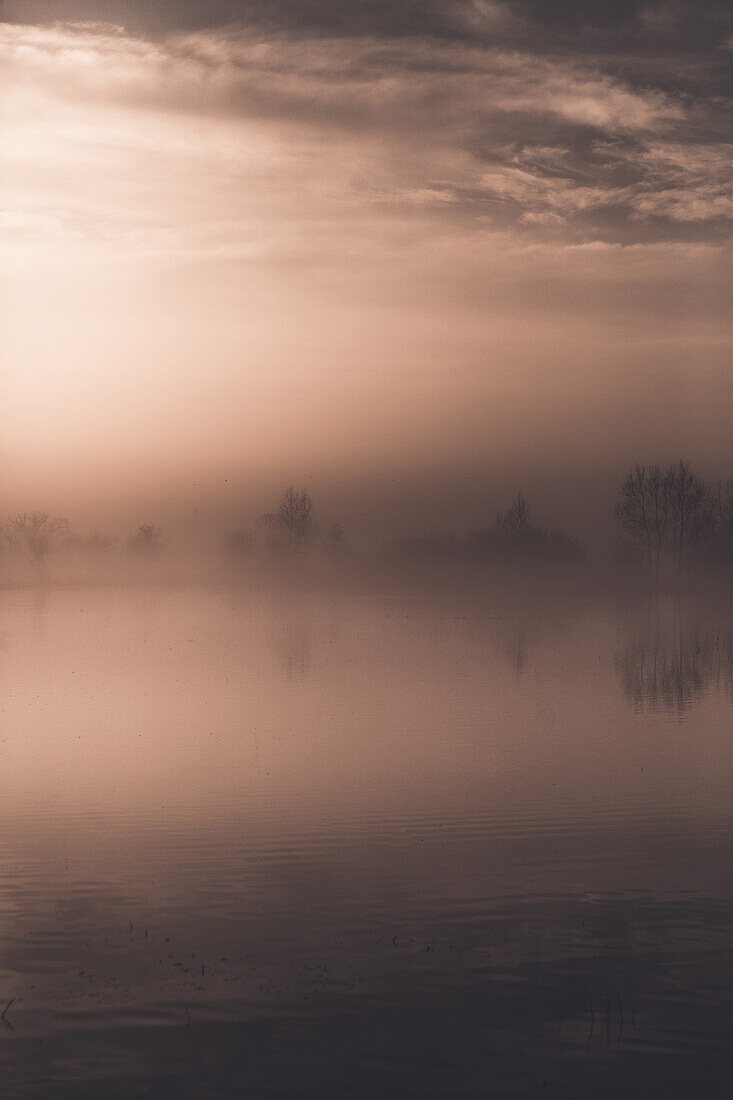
<point>447,244</point>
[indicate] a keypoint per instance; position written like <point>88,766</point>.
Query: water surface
<point>329,846</point>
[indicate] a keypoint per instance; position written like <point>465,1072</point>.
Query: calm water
<point>341,847</point>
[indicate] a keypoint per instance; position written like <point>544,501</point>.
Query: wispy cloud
<point>185,140</point>
<point>497,212</point>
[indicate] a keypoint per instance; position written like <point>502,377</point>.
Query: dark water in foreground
<point>328,847</point>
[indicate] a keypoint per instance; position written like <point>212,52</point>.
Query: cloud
<point>320,218</point>
<point>687,181</point>
<point>181,136</point>
<point>479,16</point>
<point>417,81</point>
<point>674,182</point>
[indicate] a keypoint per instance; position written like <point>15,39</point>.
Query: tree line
<point>671,517</point>
<point>290,528</point>
<point>38,533</point>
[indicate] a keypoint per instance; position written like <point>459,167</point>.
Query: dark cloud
<point>638,21</point>
<point>673,44</point>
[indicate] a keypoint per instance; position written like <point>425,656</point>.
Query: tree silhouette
<point>675,508</point>
<point>643,510</point>
<point>515,522</point>
<point>293,522</point>
<point>515,536</point>
<point>38,532</point>
<point>688,497</point>
<point>147,539</point>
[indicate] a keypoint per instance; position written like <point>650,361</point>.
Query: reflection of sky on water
<point>346,836</point>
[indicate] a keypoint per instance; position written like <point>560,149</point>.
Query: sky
<point>410,254</point>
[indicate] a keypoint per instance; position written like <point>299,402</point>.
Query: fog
<point>366,549</point>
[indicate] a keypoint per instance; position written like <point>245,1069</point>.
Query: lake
<point>332,846</point>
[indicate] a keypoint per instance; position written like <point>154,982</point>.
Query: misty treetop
<point>516,535</point>
<point>293,523</point>
<point>290,529</point>
<point>148,539</point>
<point>37,532</point>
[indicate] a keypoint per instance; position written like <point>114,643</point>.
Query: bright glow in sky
<point>256,252</point>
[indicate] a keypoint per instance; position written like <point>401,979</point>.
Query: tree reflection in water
<point>678,653</point>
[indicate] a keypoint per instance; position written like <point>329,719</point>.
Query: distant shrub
<point>148,539</point>
<point>515,536</point>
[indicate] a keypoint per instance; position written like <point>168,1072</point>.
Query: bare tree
<point>688,498</point>
<point>37,532</point>
<point>515,522</point>
<point>675,507</point>
<point>643,510</point>
<point>293,521</point>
